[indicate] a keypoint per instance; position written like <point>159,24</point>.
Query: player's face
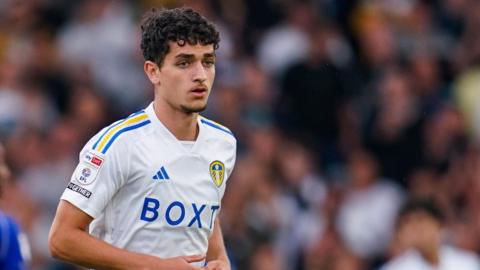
<point>186,76</point>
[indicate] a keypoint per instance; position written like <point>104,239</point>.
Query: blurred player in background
<point>149,187</point>
<point>14,248</point>
<point>419,231</point>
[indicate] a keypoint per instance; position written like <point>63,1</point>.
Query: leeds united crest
<point>217,172</point>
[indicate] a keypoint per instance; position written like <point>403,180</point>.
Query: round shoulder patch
<point>85,174</point>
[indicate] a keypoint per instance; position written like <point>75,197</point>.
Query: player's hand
<point>217,265</point>
<point>182,263</point>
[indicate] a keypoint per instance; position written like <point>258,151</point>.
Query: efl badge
<point>86,172</point>
<point>217,171</point>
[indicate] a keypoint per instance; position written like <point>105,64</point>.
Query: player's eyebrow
<point>185,56</point>
<point>209,55</point>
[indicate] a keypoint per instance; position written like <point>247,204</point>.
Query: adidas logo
<point>161,175</point>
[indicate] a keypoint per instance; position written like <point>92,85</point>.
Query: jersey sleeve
<point>97,177</point>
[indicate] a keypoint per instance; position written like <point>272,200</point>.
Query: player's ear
<point>153,71</point>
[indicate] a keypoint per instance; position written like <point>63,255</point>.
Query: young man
<point>419,229</point>
<point>149,187</point>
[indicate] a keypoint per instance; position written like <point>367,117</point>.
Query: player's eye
<point>208,63</point>
<point>183,64</point>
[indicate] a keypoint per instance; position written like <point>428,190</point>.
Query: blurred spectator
<point>367,213</point>
<point>419,232</point>
<point>312,96</point>
<point>376,40</point>
<point>427,81</point>
<point>101,40</point>
<point>393,133</point>
<point>286,43</point>
<point>419,32</point>
<point>304,189</point>
<point>444,138</point>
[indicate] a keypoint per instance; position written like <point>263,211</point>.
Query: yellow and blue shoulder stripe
<point>216,125</point>
<point>134,121</point>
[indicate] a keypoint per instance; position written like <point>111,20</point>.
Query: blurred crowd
<point>343,111</point>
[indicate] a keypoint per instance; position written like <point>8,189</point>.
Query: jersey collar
<point>169,135</point>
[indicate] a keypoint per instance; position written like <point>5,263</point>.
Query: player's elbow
<point>56,245</point>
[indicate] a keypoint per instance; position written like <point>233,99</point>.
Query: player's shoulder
<point>217,130</point>
<point>120,133</point>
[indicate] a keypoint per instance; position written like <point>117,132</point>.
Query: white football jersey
<point>149,193</point>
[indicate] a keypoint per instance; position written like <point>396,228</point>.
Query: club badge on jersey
<point>87,170</point>
<point>217,172</point>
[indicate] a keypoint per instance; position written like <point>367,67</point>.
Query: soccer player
<point>149,187</point>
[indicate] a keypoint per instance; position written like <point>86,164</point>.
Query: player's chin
<point>194,108</point>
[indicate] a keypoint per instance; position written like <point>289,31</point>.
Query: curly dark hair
<point>180,25</point>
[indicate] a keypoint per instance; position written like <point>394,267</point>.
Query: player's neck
<point>183,126</point>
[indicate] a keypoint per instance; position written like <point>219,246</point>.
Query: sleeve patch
<point>85,174</point>
<point>92,159</point>
<point>87,171</point>
<point>82,191</point>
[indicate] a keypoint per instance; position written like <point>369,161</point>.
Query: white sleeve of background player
<point>97,178</point>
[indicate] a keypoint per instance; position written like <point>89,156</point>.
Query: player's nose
<point>199,73</point>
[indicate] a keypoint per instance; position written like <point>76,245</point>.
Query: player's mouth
<point>199,91</point>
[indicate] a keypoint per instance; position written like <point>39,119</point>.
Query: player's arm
<point>217,258</point>
<point>69,241</point>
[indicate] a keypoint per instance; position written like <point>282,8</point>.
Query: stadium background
<point>342,109</point>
